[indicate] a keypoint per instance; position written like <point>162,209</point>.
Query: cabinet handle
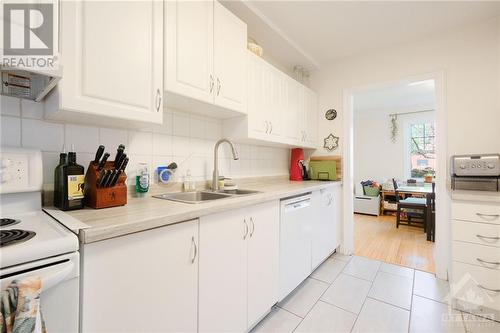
<point>488,289</point>
<point>267,127</point>
<point>218,86</point>
<point>211,83</point>
<point>271,130</point>
<point>486,237</point>
<point>487,262</point>
<point>487,215</point>
<point>158,100</point>
<point>246,229</point>
<point>253,227</point>
<point>195,250</point>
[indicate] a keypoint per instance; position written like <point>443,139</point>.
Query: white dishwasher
<point>295,242</point>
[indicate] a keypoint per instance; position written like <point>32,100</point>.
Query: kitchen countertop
<point>146,213</point>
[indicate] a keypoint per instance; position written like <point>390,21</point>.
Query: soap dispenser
<point>189,183</point>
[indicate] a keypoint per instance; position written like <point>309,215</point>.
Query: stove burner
<point>13,236</point>
<point>4,222</point>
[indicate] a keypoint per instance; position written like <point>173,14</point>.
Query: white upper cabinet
<point>112,62</point>
<point>189,50</point>
<point>281,111</point>
<point>230,40</point>
<point>205,61</point>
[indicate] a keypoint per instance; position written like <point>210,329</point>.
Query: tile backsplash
<point>185,139</point>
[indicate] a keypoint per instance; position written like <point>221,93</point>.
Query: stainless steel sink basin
<point>239,192</point>
<point>193,197</point>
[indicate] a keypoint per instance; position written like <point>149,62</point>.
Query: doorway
<point>392,133</point>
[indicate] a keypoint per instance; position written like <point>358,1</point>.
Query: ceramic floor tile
<point>327,318</point>
<point>347,292</point>
<point>428,316</point>
<point>302,299</point>
<point>381,317</point>
<point>329,270</point>
<point>362,268</point>
<point>278,321</point>
<point>341,256</point>
<point>392,289</point>
<point>427,285</point>
<point>396,269</point>
<point>475,324</point>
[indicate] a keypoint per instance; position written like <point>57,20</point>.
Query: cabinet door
<point>292,115</point>
<point>324,229</point>
<point>263,260</point>
<point>223,273</point>
<point>277,91</point>
<point>112,57</point>
<point>311,118</point>
<point>257,82</point>
<point>189,49</point>
<point>155,269</point>
<point>230,60</point>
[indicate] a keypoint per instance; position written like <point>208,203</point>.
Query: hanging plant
<point>394,127</point>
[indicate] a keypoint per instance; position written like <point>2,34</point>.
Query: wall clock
<point>331,114</point>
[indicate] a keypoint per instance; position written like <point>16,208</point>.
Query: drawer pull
<point>487,237</point>
<point>488,289</point>
<point>487,215</point>
<point>487,262</point>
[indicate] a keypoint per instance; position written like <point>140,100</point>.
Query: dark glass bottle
<point>59,181</point>
<point>73,180</point>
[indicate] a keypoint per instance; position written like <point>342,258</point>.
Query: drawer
<point>476,211</point>
<point>478,233</point>
<point>474,254</point>
<point>476,285</point>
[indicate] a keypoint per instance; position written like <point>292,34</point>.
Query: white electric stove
<point>34,244</point>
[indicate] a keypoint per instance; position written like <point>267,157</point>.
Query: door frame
<point>443,243</point>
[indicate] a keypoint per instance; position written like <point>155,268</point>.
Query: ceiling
<point>324,31</point>
<point>404,97</point>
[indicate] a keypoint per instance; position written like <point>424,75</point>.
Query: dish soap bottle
<point>142,180</point>
<point>59,180</point>
<point>73,177</point>
<point>189,184</point>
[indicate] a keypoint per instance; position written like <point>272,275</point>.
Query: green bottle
<point>142,179</point>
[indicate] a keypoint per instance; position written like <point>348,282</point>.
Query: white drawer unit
<point>474,254</point>
<point>477,287</point>
<point>475,276</point>
<point>476,211</point>
<point>478,233</point>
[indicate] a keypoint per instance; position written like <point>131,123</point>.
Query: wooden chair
<point>431,214</point>
<point>419,204</point>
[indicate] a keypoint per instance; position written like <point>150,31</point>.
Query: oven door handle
<point>50,279</point>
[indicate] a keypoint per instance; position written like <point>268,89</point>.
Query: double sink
<point>203,196</point>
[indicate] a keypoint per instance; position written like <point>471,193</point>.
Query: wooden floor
<point>377,238</point>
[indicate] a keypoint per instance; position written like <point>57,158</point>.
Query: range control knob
<point>462,166</point>
<point>491,166</point>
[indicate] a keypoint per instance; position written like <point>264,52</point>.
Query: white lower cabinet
<point>143,282</point>
<point>326,207</point>
<point>238,279</point>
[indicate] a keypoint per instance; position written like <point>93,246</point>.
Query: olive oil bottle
<point>71,186</point>
<point>58,180</point>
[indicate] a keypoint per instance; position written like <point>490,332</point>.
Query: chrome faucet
<point>215,179</point>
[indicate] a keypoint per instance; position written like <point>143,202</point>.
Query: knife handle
<point>98,154</point>
<point>119,172</point>
<point>103,161</point>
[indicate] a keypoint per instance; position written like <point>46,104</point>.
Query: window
<point>422,150</point>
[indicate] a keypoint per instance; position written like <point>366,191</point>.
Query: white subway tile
<point>162,144</point>
<point>10,106</point>
<point>140,143</point>
<point>199,147</point>
<point>50,161</point>
<point>31,109</point>
<point>11,131</point>
<point>111,138</point>
<point>197,127</point>
<point>166,127</point>
<point>180,124</point>
<point>43,135</point>
<point>84,138</point>
<point>213,129</point>
<point>181,146</point>
<point>84,159</point>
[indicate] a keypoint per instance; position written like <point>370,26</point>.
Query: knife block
<point>104,197</point>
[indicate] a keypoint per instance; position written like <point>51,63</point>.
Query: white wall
<point>376,156</point>
<point>470,60</point>
<point>186,139</point>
